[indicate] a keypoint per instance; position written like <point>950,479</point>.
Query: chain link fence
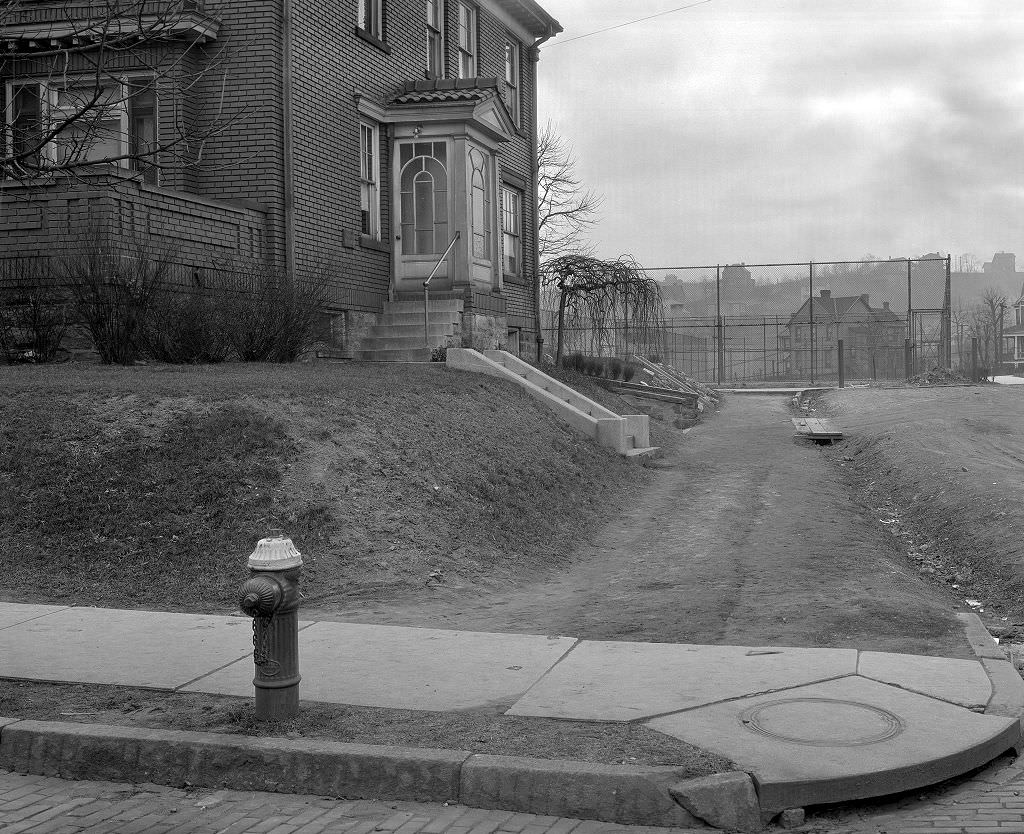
<point>778,324</point>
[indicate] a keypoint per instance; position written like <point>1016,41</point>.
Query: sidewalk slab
<point>14,613</point>
<point>132,648</point>
<point>844,739</point>
<point>962,682</point>
<point>616,681</point>
<point>407,668</point>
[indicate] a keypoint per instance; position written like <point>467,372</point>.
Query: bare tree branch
<point>566,209</point>
<point>96,86</point>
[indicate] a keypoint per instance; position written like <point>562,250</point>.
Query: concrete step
<point>436,305</point>
<point>396,355</point>
<point>416,317</point>
<point>436,324</point>
<point>389,342</point>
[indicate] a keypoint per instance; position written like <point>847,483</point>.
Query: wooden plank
<point>816,428</point>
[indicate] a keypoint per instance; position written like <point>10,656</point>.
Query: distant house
<point>872,337</point>
<point>1013,337</point>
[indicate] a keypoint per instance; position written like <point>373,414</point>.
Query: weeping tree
<point>609,304</point>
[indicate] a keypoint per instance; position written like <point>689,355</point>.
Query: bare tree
<point>566,208</point>
<point>608,304</point>
<point>986,325</point>
<point>85,79</point>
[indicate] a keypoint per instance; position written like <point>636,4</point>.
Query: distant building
<point>872,338</point>
<point>1013,336</point>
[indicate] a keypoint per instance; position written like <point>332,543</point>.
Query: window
<point>114,121</point>
<point>511,228</point>
<point>435,43</point>
<point>370,17</point>
<point>424,197</point>
<point>467,41</point>
<point>480,196</point>
<point>512,79</point>
<point>369,179</point>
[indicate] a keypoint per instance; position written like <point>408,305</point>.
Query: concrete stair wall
<point>628,435</point>
<point>398,334</point>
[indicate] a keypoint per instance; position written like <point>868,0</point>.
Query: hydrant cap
<point>275,553</point>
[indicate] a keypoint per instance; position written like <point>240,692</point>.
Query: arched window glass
<point>480,195</point>
<point>424,198</point>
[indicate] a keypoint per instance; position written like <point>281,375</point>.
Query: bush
<point>439,354</point>
<point>614,367</point>
<point>187,325</point>
<point>34,311</point>
<point>579,362</point>
<point>112,292</point>
<point>628,371</point>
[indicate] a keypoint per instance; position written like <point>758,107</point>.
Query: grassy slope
<point>148,486</point>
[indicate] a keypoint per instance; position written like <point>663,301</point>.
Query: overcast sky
<point>791,130</point>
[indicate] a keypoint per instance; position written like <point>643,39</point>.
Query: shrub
<point>272,317</point>
<point>34,312</point>
<point>439,354</point>
<point>628,371</point>
<point>112,292</point>
<point>614,367</point>
<point>578,361</point>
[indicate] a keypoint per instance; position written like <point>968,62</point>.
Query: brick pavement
<point>45,805</point>
<point>990,801</point>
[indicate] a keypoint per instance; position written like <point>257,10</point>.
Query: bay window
<point>113,122</point>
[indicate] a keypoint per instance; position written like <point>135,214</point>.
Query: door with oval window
<point>424,211</point>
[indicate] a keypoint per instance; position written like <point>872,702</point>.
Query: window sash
<point>435,39</point>
<point>467,41</point>
<point>512,79</point>
<point>370,17</point>
<point>511,227</point>
<point>369,179</point>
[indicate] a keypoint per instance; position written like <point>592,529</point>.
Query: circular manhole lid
<point>822,722</point>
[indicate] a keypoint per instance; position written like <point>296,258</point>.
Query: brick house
<point>355,137</point>
<point>873,338</point>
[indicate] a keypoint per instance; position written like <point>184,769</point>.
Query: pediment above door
<point>474,103</point>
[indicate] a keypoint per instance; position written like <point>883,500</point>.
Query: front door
<point>424,206</point>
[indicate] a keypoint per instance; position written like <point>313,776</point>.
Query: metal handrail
<point>426,290</point>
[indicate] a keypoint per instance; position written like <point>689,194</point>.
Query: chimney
<point>885,305</point>
<point>826,294</point>
<point>864,297</point>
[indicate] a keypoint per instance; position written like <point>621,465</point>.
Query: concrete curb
<point>627,795</point>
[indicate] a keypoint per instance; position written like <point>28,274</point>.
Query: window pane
<point>142,130</point>
<point>27,124</point>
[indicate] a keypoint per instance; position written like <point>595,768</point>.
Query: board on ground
<point>816,428</point>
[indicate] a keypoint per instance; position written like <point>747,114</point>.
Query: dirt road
<point>747,536</point>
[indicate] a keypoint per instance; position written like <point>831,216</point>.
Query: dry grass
<point>148,486</point>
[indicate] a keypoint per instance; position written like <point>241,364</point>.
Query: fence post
<point>839,362</point>
<point>720,329</point>
<point>908,358</point>
<point>947,316</point>
<point>810,314</point>
<point>910,318</point>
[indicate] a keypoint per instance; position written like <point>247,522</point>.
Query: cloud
<point>745,130</point>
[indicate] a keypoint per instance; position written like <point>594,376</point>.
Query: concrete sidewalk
<point>804,726</point>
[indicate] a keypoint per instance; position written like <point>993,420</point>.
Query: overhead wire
<point>562,42</point>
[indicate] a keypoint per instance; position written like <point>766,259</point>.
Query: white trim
<point>374,231</point>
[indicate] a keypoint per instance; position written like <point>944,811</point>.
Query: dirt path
<point>745,537</point>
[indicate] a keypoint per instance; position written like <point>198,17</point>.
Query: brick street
<point>45,805</point>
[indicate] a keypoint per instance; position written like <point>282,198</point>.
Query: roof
<point>835,308</point>
<point>532,17</point>
<point>437,90</point>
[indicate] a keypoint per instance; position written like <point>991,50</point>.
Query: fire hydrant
<point>271,597</point>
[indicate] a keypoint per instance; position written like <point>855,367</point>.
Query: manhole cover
<point>822,722</point>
